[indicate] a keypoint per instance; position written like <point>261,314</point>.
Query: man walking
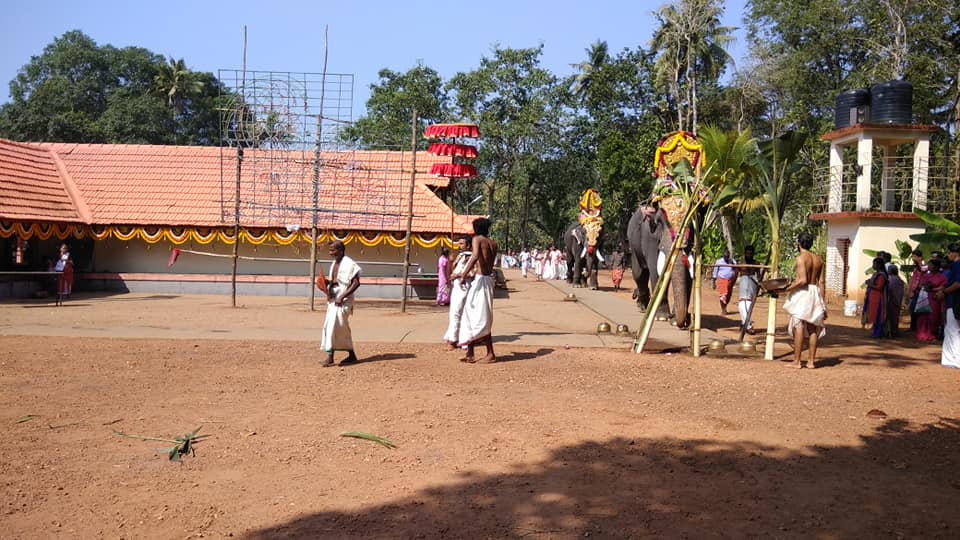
<point>343,280</point>
<point>476,323</point>
<point>749,287</point>
<point>724,274</point>
<point>805,302</point>
<point>524,261</point>
<point>458,294</point>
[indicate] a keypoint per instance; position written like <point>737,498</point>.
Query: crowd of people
<point>466,284</point>
<point>930,297</point>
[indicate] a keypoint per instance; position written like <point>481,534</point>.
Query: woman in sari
<point>875,301</point>
<point>443,278</point>
<point>928,324</point>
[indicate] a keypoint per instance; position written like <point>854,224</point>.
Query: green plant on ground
<point>369,437</point>
<point>181,445</point>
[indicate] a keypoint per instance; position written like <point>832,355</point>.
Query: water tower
<point>879,163</point>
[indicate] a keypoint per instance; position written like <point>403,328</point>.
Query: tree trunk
<point>727,233</point>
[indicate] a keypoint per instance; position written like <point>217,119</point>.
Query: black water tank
<point>891,103</point>
<point>857,99</point>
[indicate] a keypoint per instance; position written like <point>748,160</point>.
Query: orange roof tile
<point>183,186</point>
<point>31,187</point>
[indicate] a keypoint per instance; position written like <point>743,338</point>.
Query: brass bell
<point>748,347</point>
<point>718,345</point>
<point>603,328</point>
<point>623,330</point>
<point>570,297</point>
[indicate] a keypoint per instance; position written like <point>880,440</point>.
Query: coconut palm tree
<point>597,57</point>
<point>691,45</point>
<point>175,83</point>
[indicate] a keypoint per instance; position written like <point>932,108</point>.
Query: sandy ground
<point>554,441</point>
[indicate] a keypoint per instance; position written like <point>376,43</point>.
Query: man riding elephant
<point>582,241</point>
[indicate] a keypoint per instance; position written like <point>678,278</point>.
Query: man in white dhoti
<point>458,294</point>
<point>341,282</point>
<point>805,303</point>
<point>477,321</point>
<point>950,355</point>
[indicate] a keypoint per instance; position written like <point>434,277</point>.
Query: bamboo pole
<point>698,292</point>
<point>236,206</point>
<point>316,180</point>
<point>413,179</point>
<point>660,291</point>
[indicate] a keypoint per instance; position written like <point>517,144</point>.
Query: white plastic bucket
<point>850,308</point>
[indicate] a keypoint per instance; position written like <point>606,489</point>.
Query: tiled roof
<point>189,185</point>
<point>31,187</point>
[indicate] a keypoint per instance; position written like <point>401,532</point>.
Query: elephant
<point>581,244</point>
<point>650,237</point>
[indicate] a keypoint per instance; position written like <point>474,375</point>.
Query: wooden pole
<point>697,290</point>
<point>316,180</point>
<point>236,206</point>
<point>413,180</point>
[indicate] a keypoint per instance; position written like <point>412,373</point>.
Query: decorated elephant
<point>582,241</point>
<point>650,237</point>
<point>582,248</point>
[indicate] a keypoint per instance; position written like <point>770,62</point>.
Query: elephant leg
<point>593,270</point>
<point>663,310</point>
<point>681,283</point>
<point>641,277</point>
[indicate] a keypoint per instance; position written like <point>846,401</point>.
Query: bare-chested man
<point>476,322</point>
<point>805,303</point>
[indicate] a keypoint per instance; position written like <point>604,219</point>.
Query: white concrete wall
<point>864,233</point>
<point>136,256</point>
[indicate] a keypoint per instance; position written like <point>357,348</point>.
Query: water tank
<point>891,103</point>
<point>851,107</point>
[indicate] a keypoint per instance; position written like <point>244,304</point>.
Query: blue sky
<point>364,36</point>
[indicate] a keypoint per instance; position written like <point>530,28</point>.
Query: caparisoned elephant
<point>581,245</point>
<point>651,238</point>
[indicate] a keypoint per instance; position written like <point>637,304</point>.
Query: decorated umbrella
<point>439,131</point>
<point>453,170</point>
<point>459,152</point>
<point>455,150</point>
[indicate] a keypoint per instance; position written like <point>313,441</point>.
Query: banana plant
<point>940,231</point>
<point>776,163</point>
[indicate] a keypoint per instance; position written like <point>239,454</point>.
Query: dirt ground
<point>552,442</point>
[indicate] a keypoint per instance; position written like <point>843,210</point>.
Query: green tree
<point>391,104</point>
<point>514,102</point>
<point>78,91</point>
<point>176,84</point>
<point>691,51</point>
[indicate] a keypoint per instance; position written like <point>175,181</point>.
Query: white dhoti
<point>336,326</point>
<point>477,319</point>
<point>458,297</point>
<point>806,306</point>
<point>950,355</point>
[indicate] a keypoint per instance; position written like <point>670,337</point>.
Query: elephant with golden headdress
<point>582,242</point>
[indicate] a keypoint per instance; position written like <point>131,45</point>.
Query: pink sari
<point>443,283</point>
<point>928,324</point>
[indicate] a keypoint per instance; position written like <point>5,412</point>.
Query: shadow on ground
<point>899,482</point>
